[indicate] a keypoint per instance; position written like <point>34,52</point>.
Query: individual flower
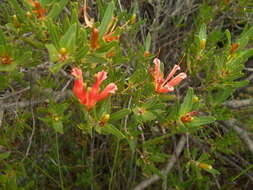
<point>166,85</point>
<point>109,37</point>
<point>90,96</point>
<point>188,117</point>
<point>38,9</point>
<point>63,54</point>
<point>94,38</point>
<point>5,59</point>
<point>233,48</point>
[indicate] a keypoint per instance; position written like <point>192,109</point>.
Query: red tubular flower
<point>110,37</point>
<point>189,116</point>
<point>38,9</point>
<point>90,96</point>
<point>166,85</point>
<point>94,38</point>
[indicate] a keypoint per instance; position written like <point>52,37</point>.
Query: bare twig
<point>167,169</point>
<point>15,93</point>
<point>1,114</point>
<point>238,103</point>
<point>243,134</point>
<point>63,95</point>
<point>238,167</point>
<point>205,147</point>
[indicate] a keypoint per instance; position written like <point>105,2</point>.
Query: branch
<point>1,114</point>
<point>238,103</point>
<point>167,169</point>
<point>243,134</point>
<point>58,96</point>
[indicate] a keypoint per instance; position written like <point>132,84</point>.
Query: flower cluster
<point>166,85</point>
<point>90,96</point>
<point>38,9</point>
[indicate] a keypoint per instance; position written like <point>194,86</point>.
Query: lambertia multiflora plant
<point>88,99</point>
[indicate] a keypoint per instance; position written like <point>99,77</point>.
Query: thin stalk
<point>114,164</point>
<point>92,157</point>
<point>58,160</point>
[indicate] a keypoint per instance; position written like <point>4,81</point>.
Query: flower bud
<point>63,54</point>
<point>5,59</point>
<point>202,43</point>
<point>188,117</point>
<point>233,48</point>
<point>147,54</point>
<point>133,19</point>
<point>94,38</point>
<point>104,119</point>
<point>204,165</point>
<point>28,14</point>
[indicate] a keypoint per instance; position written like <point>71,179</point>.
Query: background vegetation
<point>199,136</point>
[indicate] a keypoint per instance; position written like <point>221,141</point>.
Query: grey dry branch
<point>234,104</point>
<point>21,104</point>
<point>242,133</point>
<point>166,170</point>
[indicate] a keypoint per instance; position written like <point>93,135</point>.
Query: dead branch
<point>167,169</point>
<point>234,104</point>
<point>243,134</point>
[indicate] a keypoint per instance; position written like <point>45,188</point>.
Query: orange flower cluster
<point>233,48</point>
<point>90,96</point>
<point>6,59</point>
<point>38,9</point>
<point>166,85</point>
<point>188,117</point>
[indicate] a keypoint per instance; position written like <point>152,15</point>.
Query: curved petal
<point>109,89</point>
<point>171,74</point>
<point>175,81</point>
<point>78,88</point>
<point>100,77</point>
<point>157,69</point>
<point>76,72</point>
<point>165,89</point>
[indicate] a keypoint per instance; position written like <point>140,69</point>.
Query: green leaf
<point>24,59</point>
<point>202,32</point>
<point>58,127</point>
<point>148,42</point>
<point>82,52</point>
<point>54,33</point>
<point>9,67</point>
<point>119,114</point>
<point>68,41</point>
<point>18,9</point>
<point>2,38</point>
<point>244,38</point>
<point>213,171</point>
<point>148,116</point>
<point>74,12</point>
<point>53,53</point>
<point>228,35</point>
<point>221,95</point>
<point>241,58</point>
<point>198,121</point>
<point>187,103</point>
<point>56,67</point>
<point>93,58</point>
<point>110,129</point>
<point>151,168</point>
<point>106,19</point>
<point>143,115</point>
<point>4,155</point>
<point>57,8</point>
